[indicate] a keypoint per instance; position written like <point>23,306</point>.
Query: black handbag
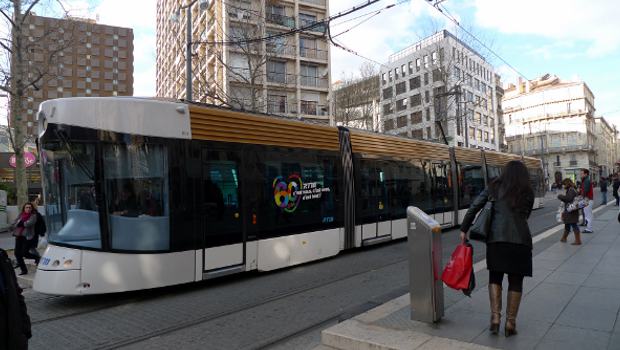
<point>479,231</point>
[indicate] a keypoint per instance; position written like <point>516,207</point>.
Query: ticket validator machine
<point>425,285</point>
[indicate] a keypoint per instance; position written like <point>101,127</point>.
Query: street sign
<point>29,160</point>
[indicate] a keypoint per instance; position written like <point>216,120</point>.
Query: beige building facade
<point>554,120</point>
<point>605,147</point>
<point>91,60</point>
<point>244,55</point>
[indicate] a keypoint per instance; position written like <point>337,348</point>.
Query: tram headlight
<point>56,263</point>
<point>67,263</point>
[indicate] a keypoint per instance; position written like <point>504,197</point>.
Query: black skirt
<point>509,258</point>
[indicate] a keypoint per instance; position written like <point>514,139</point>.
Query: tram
<point>145,193</point>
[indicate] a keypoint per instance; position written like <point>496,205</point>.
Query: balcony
<point>243,75</point>
<point>279,49</point>
<point>281,20</point>
<point>312,25</point>
<point>281,107</point>
<point>314,81</point>
<point>313,53</point>
<point>313,109</point>
<point>314,2</point>
<point>281,78</point>
<point>572,163</point>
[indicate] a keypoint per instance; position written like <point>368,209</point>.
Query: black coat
<point>573,216</point>
<point>14,319</point>
<point>509,225</point>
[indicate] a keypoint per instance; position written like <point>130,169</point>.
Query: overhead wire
<point>316,24</point>
<point>447,14</point>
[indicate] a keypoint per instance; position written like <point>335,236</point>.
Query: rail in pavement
<point>572,302</point>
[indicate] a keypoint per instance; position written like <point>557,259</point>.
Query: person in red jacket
<point>587,191</point>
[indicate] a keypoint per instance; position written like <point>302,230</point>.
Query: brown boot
<point>512,308</point>
<point>495,299</point>
<point>577,237</point>
<point>564,237</point>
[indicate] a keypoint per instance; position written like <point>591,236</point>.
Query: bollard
<point>425,285</point>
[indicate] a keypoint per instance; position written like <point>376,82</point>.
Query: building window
<point>410,67</point>
<point>383,81</point>
<point>276,104</point>
<point>88,45</point>
<point>417,134</point>
<point>88,91</point>
<point>401,121</point>
<point>387,92</point>
<point>486,136</point>
<point>414,83</point>
<point>425,78</point>
<point>418,63</point>
<point>428,133</point>
<point>436,75</point>
<point>435,57</point>
<point>401,88</point>
<point>427,96</point>
<point>401,105</point>
<point>416,100</point>
<point>387,109</point>
<point>388,124</point>
<point>425,61</point>
<point>276,71</point>
<point>309,107</point>
<point>416,118</point>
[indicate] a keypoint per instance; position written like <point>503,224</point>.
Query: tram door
<point>374,200</point>
<point>441,192</point>
<point>224,241</point>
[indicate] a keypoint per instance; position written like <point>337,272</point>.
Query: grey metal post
<point>188,54</point>
<point>425,285</point>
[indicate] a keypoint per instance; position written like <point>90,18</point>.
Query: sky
<point>573,39</point>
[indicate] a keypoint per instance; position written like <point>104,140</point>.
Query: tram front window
<point>70,205</point>
<point>136,188</point>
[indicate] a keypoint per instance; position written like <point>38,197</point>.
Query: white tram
<point>143,193</point>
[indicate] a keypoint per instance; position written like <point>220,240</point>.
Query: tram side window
<point>493,172</point>
<point>410,187</point>
<point>221,200</point>
<point>537,182</point>
<point>300,194</point>
<point>471,184</point>
<point>136,185</point>
<point>441,187</point>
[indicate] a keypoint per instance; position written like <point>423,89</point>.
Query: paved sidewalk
<point>572,302</point>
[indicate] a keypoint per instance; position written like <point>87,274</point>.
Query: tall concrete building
<point>440,86</point>
<point>605,146</point>
<point>92,60</point>
<point>245,57</point>
<point>356,103</point>
<point>554,120</point>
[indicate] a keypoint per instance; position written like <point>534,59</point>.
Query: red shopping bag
<point>459,270</point>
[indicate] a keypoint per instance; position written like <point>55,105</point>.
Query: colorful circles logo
<point>285,192</point>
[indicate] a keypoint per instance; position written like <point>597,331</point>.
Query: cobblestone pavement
<point>252,310</point>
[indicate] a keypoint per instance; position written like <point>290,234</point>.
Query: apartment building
<point>92,60</point>
<point>552,119</point>
<point>356,103</point>
<point>245,56</point>
<point>605,146</point>
<point>440,89</point>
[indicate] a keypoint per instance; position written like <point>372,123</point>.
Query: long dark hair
<point>513,184</point>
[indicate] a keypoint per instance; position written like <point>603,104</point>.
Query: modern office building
<point>91,60</point>
<point>245,56</point>
<point>440,89</point>
<point>552,119</point>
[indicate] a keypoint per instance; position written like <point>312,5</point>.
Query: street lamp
<point>188,44</point>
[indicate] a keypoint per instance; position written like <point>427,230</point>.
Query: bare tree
<point>29,61</point>
<point>356,101</point>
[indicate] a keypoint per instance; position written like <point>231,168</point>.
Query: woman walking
<point>509,242</point>
<point>571,218</point>
<point>23,230</point>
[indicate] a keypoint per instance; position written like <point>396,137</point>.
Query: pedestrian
<point>615,187</point>
<point>23,230</point>
<point>571,218</point>
<point>509,241</point>
<point>14,320</point>
<point>587,191</point>
<point>604,190</point>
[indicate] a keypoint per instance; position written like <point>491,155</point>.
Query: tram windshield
<point>134,178</point>
<point>70,205</point>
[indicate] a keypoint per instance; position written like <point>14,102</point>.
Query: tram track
<point>219,315</point>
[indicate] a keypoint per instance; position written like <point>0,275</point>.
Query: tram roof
<point>168,118</point>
